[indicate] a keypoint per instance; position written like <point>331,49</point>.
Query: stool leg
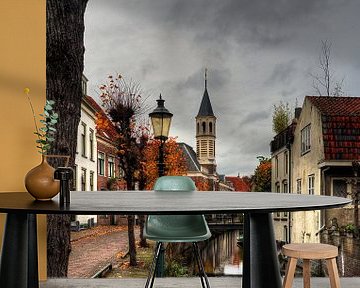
<point>289,274</point>
<point>333,273</point>
<point>306,273</point>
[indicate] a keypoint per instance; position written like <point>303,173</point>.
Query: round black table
<point>18,267</point>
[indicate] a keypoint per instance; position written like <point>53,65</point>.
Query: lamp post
<point>160,121</point>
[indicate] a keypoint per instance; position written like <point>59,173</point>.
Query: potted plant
<point>350,229</point>
<point>39,181</point>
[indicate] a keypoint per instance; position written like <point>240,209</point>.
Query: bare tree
<point>124,104</point>
<point>324,83</point>
<point>64,68</point>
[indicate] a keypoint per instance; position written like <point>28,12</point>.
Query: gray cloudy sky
<point>257,53</point>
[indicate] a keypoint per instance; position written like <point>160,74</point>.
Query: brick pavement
<point>94,248</point>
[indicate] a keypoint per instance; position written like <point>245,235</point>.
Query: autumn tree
<point>175,163</point>
<point>64,68</point>
<point>262,175</point>
<point>281,117</point>
<point>324,82</point>
<point>124,105</point>
<point>202,184</point>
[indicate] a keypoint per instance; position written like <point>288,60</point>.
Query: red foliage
<point>175,163</point>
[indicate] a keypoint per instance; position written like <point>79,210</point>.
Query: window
<point>203,127</point>
<point>101,164</point>
<point>311,184</point>
<point>210,127</point>
<point>286,162</point>
<point>91,142</point>
<point>285,187</point>
<point>305,140</point>
<point>198,128</point>
<point>339,187</point>
<point>111,167</point>
<point>285,233</point>
<point>276,166</point>
<point>285,190</point>
<point>83,139</point>
<point>298,186</point>
<point>83,179</point>
<point>91,181</point>
<point>277,190</point>
<point>75,178</point>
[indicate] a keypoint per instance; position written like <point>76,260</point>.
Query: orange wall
<point>22,64</point>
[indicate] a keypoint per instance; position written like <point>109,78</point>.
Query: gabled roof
<point>192,162</point>
<point>336,106</point>
<point>340,126</point>
<point>101,132</point>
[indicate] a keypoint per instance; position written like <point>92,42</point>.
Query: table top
<point>168,202</point>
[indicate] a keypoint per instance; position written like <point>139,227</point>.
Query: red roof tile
<point>340,126</point>
<point>336,105</point>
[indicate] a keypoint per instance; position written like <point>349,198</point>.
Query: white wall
<point>306,224</point>
<point>84,161</point>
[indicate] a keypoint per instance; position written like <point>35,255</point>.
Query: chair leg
<point>202,273</point>
<point>333,273</point>
<point>289,274</point>
<point>306,273</point>
<point>152,271</point>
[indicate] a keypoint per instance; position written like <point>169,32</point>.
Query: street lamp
<point>160,121</point>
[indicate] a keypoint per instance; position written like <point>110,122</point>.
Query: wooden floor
<point>215,282</point>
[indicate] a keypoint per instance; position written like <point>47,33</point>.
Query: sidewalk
<point>94,248</point>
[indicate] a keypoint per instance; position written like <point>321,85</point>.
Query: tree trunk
<point>143,242</point>
<point>131,223</point>
<point>132,245</point>
<point>64,68</point>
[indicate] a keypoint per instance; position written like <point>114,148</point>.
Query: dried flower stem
<point>27,91</point>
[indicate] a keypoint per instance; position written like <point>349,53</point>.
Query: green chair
<point>176,228</point>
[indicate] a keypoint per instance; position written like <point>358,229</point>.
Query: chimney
<point>297,112</point>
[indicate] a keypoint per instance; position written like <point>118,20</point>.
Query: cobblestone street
<point>94,248</point>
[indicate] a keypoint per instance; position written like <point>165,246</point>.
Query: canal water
<point>349,254</point>
<point>222,255</point>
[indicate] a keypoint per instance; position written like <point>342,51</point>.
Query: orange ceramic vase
<point>40,182</point>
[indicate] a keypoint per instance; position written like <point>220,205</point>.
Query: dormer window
<point>305,139</point>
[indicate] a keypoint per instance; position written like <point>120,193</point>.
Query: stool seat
<point>307,252</point>
<point>310,251</point>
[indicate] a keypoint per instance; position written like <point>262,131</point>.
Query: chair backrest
<point>174,183</point>
<point>176,228</point>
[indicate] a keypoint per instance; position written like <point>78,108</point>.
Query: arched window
<point>197,128</point>
<point>210,127</point>
<point>203,127</point>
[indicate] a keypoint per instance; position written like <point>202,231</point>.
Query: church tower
<point>206,133</point>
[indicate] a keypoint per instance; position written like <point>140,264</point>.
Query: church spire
<point>205,106</point>
<point>205,78</point>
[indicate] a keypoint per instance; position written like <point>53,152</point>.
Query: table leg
<point>18,266</point>
<point>261,265</point>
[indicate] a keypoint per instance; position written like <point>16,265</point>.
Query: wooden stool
<point>307,252</point>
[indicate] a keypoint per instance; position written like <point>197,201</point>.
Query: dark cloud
<point>258,53</point>
<point>282,73</point>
